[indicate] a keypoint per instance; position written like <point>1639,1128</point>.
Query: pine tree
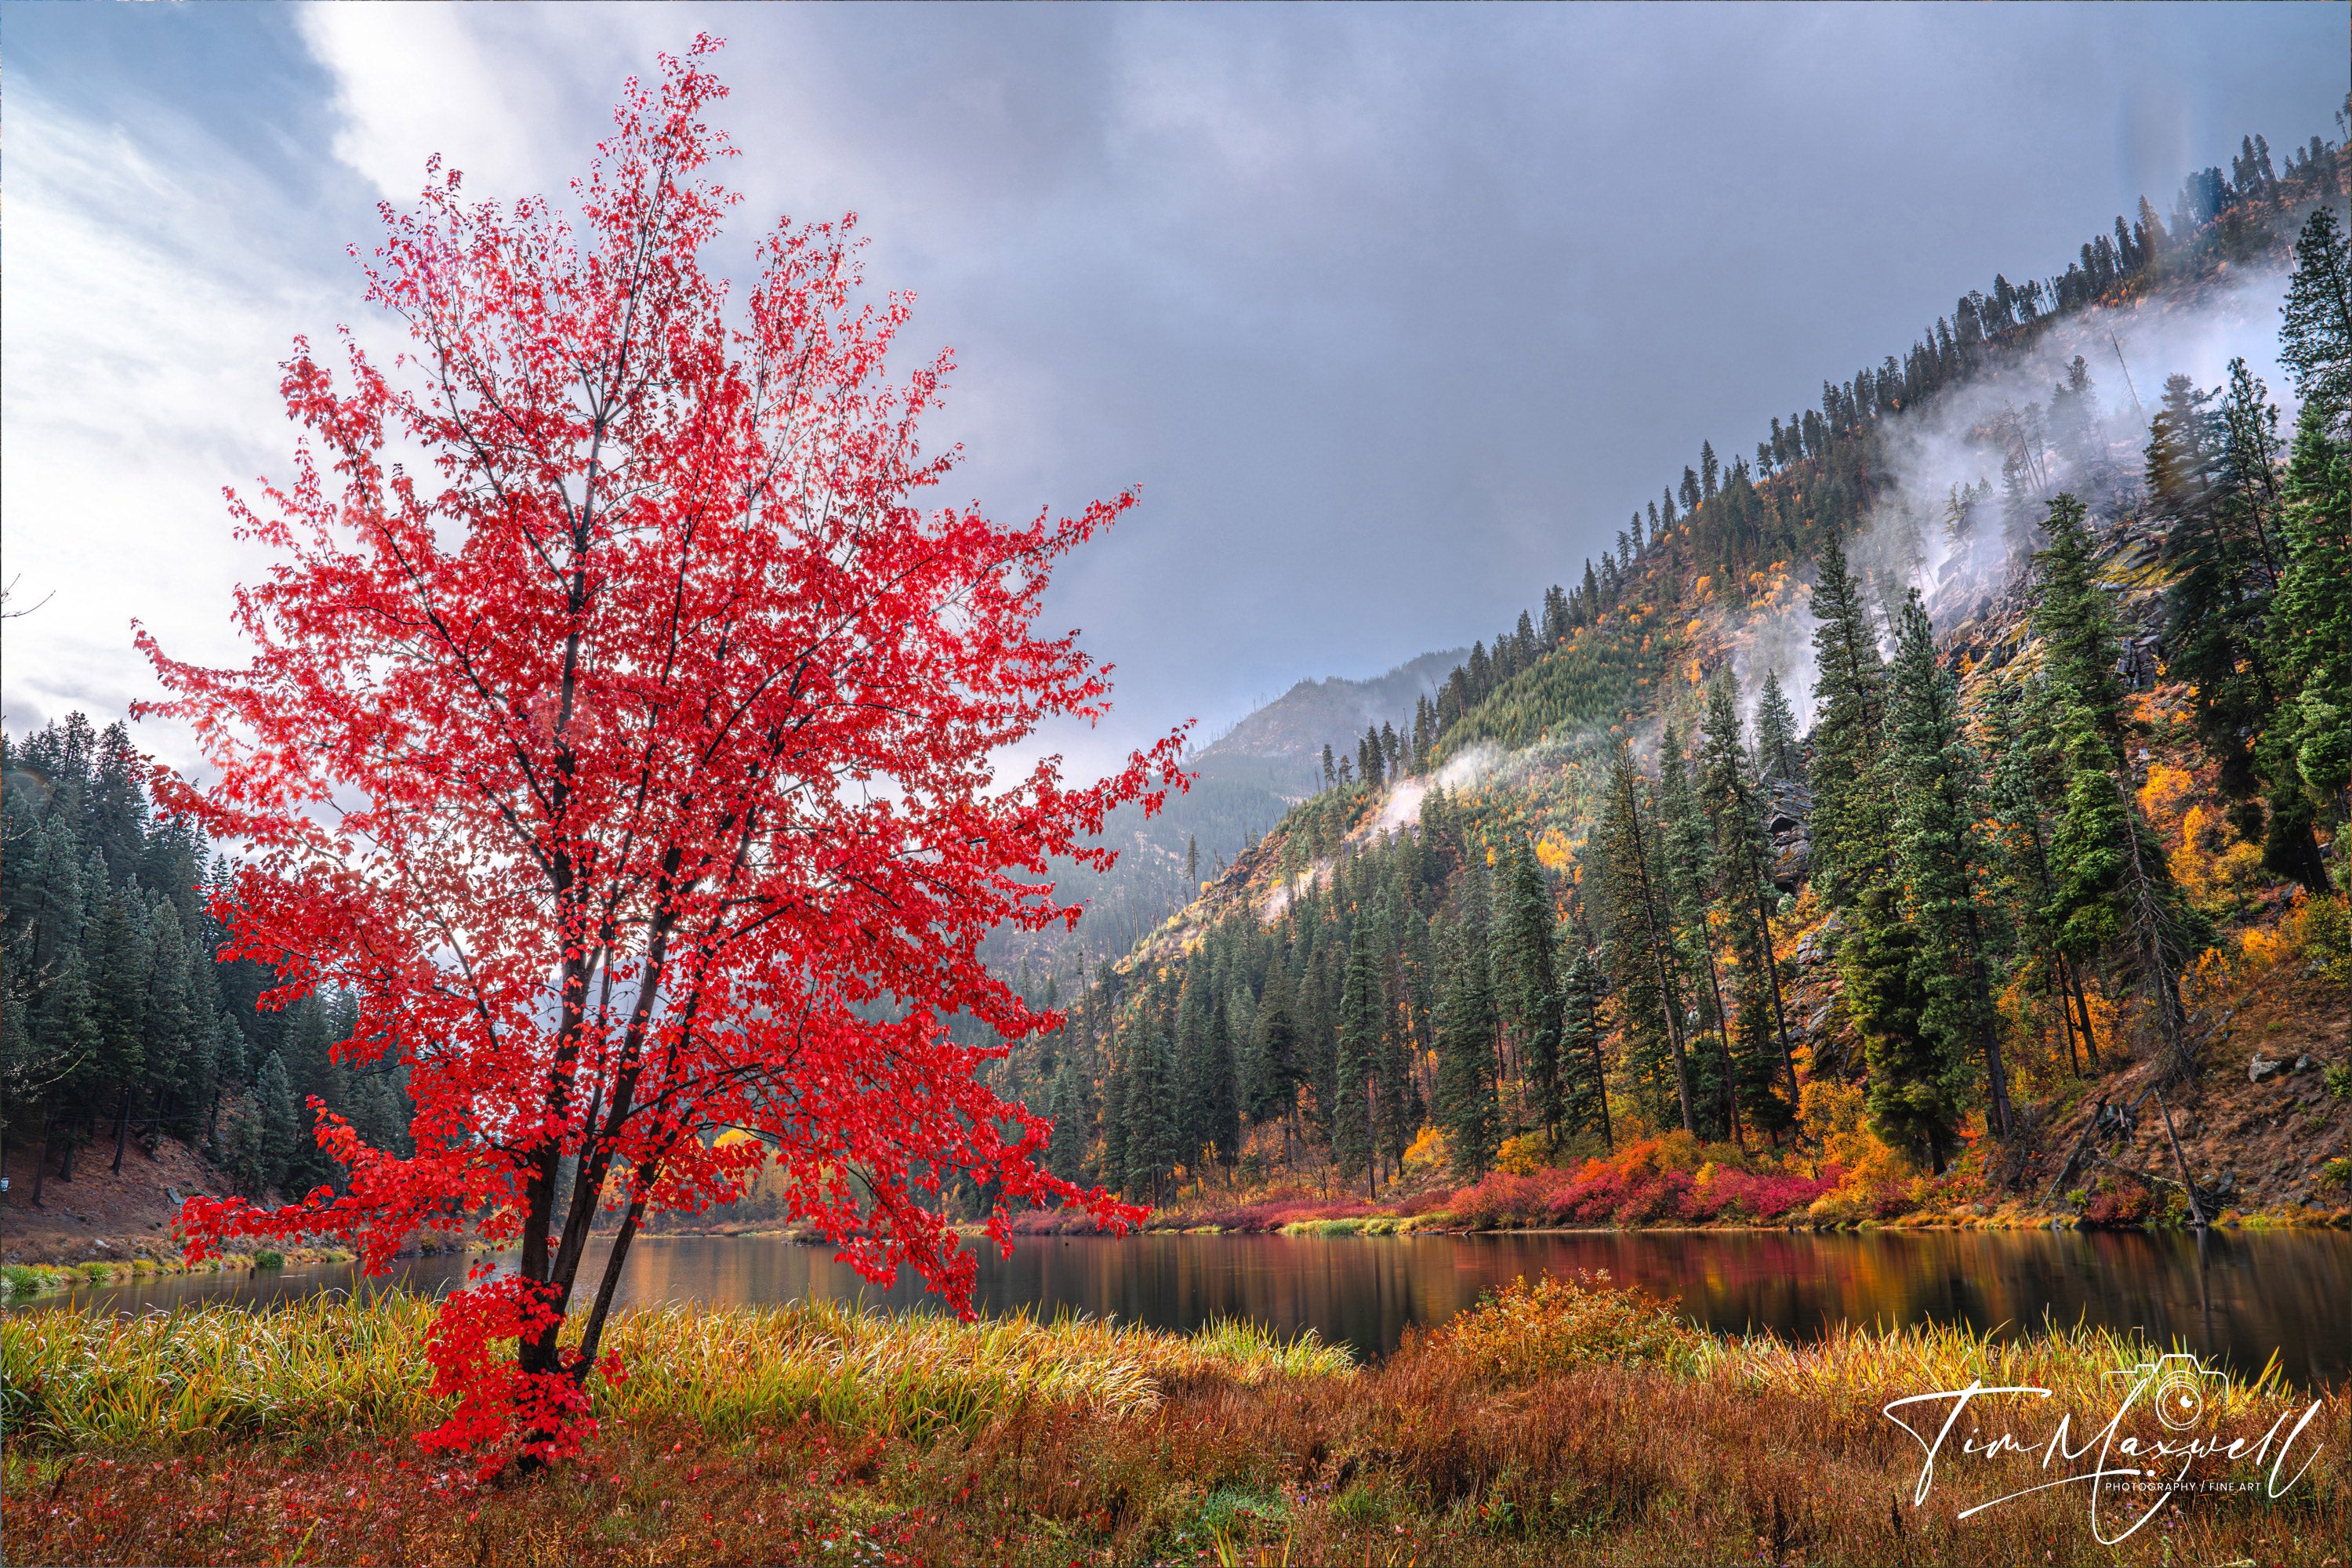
<point>2026,780</point>
<point>1069,1147</point>
<point>1640,959</point>
<point>1194,1071</point>
<point>2311,632</point>
<point>1223,1109</point>
<point>1530,982</point>
<point>280,1128</point>
<point>1848,822</point>
<point>1732,801</point>
<point>116,949</point>
<point>1466,1106</point>
<point>1116,1076</point>
<point>1584,1070</point>
<point>2315,323</point>
<point>2074,621</point>
<point>1354,1104</point>
<point>1154,1138</point>
<point>1687,862</point>
<point>1939,856</point>
<point>1778,754</point>
<point>1917,1082</point>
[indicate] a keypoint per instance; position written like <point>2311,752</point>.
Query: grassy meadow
<point>1561,1422</point>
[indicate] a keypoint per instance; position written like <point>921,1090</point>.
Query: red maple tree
<point>629,757</point>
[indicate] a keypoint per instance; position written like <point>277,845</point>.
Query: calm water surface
<point>2238,1297</point>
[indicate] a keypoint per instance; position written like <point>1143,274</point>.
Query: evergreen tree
<point>2315,323</point>
<point>1354,1112</point>
<point>1848,822</point>
<point>1640,960</point>
<point>1778,754</point>
<point>1529,981</point>
<point>280,1128</point>
<point>1068,1154</point>
<point>1940,858</point>
<point>1584,1070</point>
<point>1466,1106</point>
<point>1687,858</point>
<point>1223,1123</point>
<point>1732,800</point>
<point>2076,623</point>
<point>1154,1137</point>
<point>2311,632</point>
<point>1116,1076</point>
<point>2026,781</point>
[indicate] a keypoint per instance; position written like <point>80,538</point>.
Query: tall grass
<point>327,1366</point>
<point>1569,1422</point>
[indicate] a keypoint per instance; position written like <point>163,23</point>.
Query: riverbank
<point>1557,1424</point>
<point>20,1281</point>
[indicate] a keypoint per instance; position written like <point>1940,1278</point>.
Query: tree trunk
<point>1780,1014</point>
<point>122,1131</point>
<point>2066,1019</point>
<point>2083,1008</point>
<point>1665,976</point>
<point>1600,1075</point>
<point>41,1160</point>
<point>2196,1209</point>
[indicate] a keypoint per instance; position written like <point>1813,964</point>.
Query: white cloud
<point>148,309</point>
<point>512,96</point>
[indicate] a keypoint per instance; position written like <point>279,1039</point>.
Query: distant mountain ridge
<point>1335,711</point>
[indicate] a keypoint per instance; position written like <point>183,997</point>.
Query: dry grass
<point>1565,1422</point>
<point>332,1366</point>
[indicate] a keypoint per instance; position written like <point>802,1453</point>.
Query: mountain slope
<point>1467,955</point>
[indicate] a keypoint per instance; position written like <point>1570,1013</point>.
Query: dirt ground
<point>99,1213</point>
<point>2266,1139</point>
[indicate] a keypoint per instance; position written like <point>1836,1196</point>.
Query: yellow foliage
<point>2166,795</point>
<point>1554,852</point>
<point>1430,1147</point>
<point>1835,1111</point>
<point>1523,1155</point>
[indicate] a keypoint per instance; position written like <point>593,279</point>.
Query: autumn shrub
<point>1764,1198</point>
<point>2117,1202</point>
<point>1526,1331</point>
<point>1524,1153</point>
<point>1666,1198</point>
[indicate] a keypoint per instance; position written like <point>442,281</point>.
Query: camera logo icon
<point>2175,1387</point>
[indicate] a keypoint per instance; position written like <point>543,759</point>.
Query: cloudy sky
<point>1394,314</point>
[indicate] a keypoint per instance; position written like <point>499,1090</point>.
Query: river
<point>2236,1295</point>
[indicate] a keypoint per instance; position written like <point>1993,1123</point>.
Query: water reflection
<point>2238,1297</point>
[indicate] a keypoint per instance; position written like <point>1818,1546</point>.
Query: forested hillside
<point>1882,791</point>
<point>120,1022</point>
